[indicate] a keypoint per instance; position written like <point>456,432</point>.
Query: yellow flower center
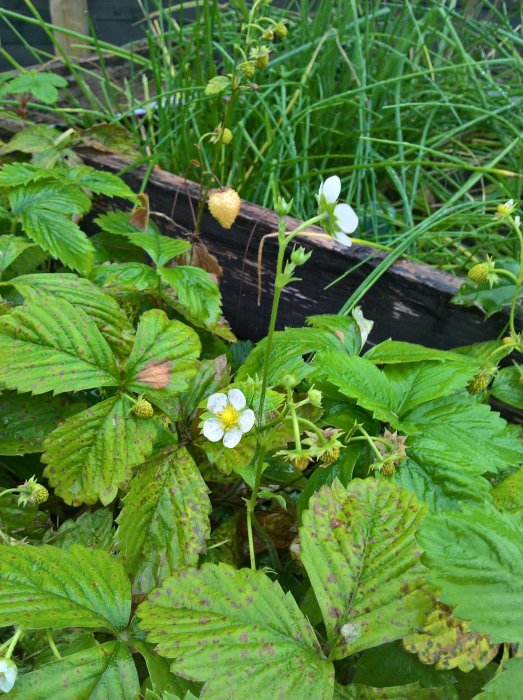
<point>228,417</point>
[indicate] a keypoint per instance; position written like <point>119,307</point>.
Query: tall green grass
<point>409,102</point>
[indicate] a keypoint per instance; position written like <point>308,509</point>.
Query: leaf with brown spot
<point>256,640</point>
<point>140,215</point>
<point>446,642</point>
<point>359,549</point>
<point>163,358</point>
<point>164,522</point>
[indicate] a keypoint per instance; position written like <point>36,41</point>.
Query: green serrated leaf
<point>505,685</point>
<point>51,345</point>
<point>128,277</point>
<point>11,247</point>
<point>15,174</point>
<point>476,559</point>
<point>359,550</point>
<point>97,181</point>
<point>508,386</point>
<point>217,85</point>
<point>397,352</point>
<point>45,587</point>
<point>198,297</point>
<point>236,629</point>
<point>164,356</point>
<point>161,249</point>
<point>164,522</point>
<point>359,379</point>
<point>287,352</point>
<point>92,530</point>
<point>45,210</point>
<point>42,85</point>
<point>110,319</point>
<point>26,421</point>
<point>105,671</point>
<point>91,455</point>
<point>34,139</point>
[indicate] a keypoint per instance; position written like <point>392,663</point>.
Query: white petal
<point>246,420</point>
<point>237,399</point>
<point>346,218</point>
<point>212,430</point>
<point>232,437</point>
<point>342,239</point>
<point>8,674</point>
<point>330,189</point>
<point>216,402</point>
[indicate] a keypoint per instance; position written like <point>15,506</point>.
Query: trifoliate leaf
<point>51,345</point>
<point>161,249</point>
<point>505,685</point>
<point>10,248</point>
<point>91,455</point>
<point>105,671</point>
<point>26,421</point>
<point>43,587</point>
<point>42,85</point>
<point>217,85</point>
<point>45,210</point>
<point>198,297</point>
<point>357,378</point>
<point>236,629</point>
<point>164,521</point>
<point>111,320</point>
<point>508,386</point>
<point>286,354</point>
<point>445,643</point>
<point>164,356</point>
<point>476,559</point>
<point>359,550</point>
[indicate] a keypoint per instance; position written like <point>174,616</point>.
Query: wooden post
<point>70,14</point>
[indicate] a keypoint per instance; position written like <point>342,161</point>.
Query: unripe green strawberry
<point>40,495</point>
<point>248,69</point>
<point>388,468</point>
<point>479,383</point>
<point>224,205</point>
<point>478,273</point>
<point>143,409</point>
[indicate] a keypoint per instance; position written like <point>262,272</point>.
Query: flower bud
<point>299,256</point>
<point>8,674</point>
<point>289,381</point>
<point>282,207</point>
<point>143,409</point>
<point>268,35</point>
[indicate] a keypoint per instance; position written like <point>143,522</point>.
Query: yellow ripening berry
<point>478,273</point>
<point>388,468</point>
<point>143,409</point>
<point>507,340</point>
<point>479,383</point>
<point>300,463</point>
<point>226,136</point>
<point>247,68</point>
<point>262,61</point>
<point>268,35</point>
<point>281,30</point>
<point>330,456</point>
<point>224,205</point>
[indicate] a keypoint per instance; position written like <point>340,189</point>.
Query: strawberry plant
<point>187,516</point>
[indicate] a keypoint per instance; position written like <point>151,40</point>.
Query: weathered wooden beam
<point>72,15</point>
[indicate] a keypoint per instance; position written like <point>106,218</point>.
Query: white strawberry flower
<point>231,418</point>
<point>8,674</point>
<point>342,217</point>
